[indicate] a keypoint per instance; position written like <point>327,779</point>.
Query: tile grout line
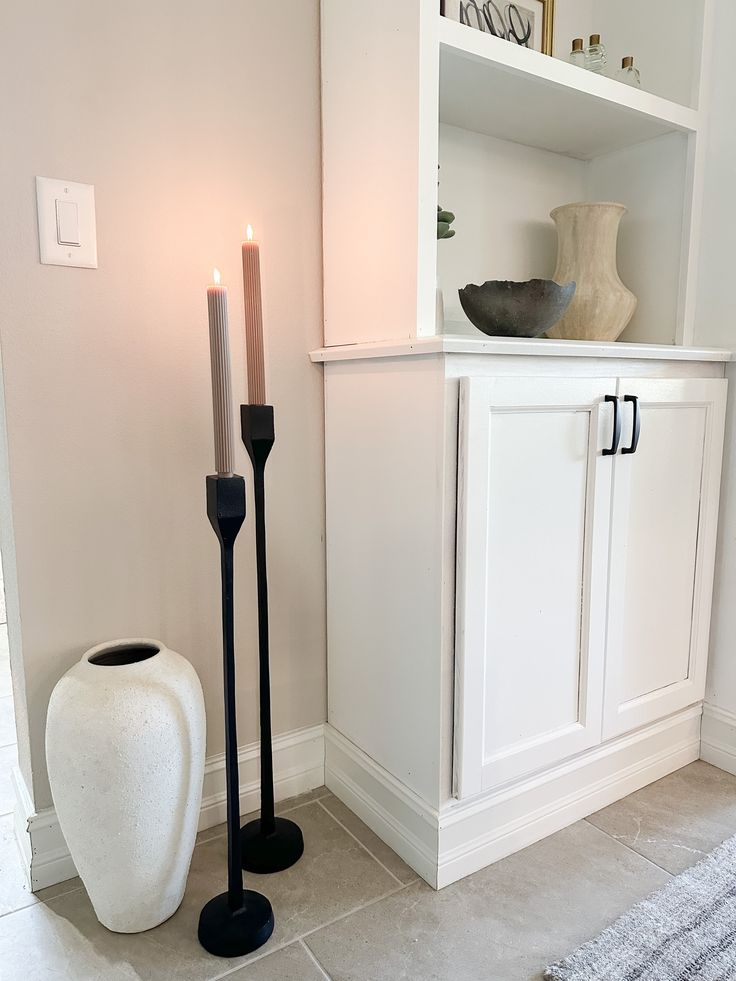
<point>20,909</point>
<point>43,902</point>
<point>308,933</point>
<point>60,895</point>
<point>357,909</point>
<point>288,810</point>
<point>630,848</point>
<point>312,800</point>
<point>317,964</point>
<point>362,845</point>
<point>254,960</point>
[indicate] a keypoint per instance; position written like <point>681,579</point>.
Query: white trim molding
<point>463,837</point>
<point>441,845</point>
<point>44,856</point>
<point>718,738</point>
<point>396,814</point>
<point>475,833</point>
<point>298,761</point>
<point>298,766</point>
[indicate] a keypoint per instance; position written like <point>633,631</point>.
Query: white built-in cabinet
<point>520,550</point>
<point>517,619</point>
<point>584,575</point>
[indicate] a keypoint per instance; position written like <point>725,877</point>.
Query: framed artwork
<point>529,23</point>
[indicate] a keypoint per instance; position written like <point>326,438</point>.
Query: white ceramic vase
<point>602,306</point>
<point>125,745</point>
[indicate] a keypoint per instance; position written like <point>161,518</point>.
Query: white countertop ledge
<point>448,344</point>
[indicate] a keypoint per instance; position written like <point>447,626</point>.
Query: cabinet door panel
<point>534,497</point>
<point>536,528</point>
<point>664,515</point>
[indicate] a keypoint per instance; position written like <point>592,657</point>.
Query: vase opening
<point>125,654</point>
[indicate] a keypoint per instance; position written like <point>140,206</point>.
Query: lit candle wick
<point>216,276</point>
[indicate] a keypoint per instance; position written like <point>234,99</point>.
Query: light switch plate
<point>55,199</point>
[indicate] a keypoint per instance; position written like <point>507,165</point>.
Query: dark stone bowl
<point>506,309</point>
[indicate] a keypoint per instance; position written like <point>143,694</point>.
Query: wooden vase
<point>587,234</point>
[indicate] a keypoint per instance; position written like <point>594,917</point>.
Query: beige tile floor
<point>351,910</point>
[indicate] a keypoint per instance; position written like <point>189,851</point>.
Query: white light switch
<point>67,223</point>
<point>67,232</point>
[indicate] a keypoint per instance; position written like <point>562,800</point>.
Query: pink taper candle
<point>221,387</point>
<point>253,321</point>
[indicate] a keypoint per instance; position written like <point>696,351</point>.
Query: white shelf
<point>534,347</point>
<point>491,86</point>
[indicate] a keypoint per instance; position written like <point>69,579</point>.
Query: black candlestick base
<point>225,932</point>
<point>274,852</point>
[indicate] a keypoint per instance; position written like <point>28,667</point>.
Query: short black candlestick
<point>270,844</point>
<point>237,921</point>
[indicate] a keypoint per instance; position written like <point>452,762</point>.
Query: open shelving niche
<point>515,133</point>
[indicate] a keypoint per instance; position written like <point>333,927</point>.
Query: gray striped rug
<point>686,931</point>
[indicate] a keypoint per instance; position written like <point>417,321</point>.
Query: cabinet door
<point>663,539</point>
<point>533,527</point>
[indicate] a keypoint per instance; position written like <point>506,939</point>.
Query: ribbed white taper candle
<point>221,385</point>
<point>255,363</point>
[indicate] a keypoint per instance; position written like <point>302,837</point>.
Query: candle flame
<point>216,276</point>
<point>249,233</point>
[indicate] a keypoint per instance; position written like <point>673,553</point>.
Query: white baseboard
<point>441,845</point>
<point>44,855</point>
<point>298,766</point>
<point>404,821</point>
<point>465,836</point>
<point>298,761</point>
<point>718,738</point>
<point>482,831</point>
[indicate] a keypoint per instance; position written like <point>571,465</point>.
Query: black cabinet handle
<point>616,427</point>
<point>636,425</point>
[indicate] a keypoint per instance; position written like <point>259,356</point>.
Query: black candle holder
<point>237,921</point>
<point>269,844</point>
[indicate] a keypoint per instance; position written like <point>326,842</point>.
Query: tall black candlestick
<point>237,921</point>
<point>270,844</point>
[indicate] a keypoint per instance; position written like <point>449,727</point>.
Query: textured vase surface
<point>125,745</point>
<point>586,254</point>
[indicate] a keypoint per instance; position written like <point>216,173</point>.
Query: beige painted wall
<point>191,118</point>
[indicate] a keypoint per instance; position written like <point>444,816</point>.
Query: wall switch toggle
<point>67,232</point>
<point>67,223</point>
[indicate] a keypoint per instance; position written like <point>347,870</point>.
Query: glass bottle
<point>628,74</point>
<point>577,55</point>
<point>595,55</point>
